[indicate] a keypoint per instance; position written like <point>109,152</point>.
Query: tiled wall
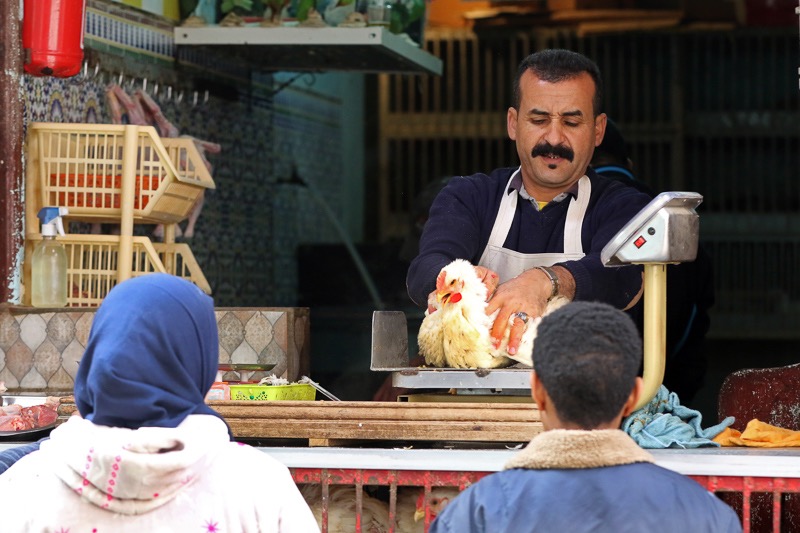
<point>40,351</point>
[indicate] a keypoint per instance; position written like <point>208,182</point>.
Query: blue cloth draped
<point>665,423</point>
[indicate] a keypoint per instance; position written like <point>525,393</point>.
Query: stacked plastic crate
<point>119,174</point>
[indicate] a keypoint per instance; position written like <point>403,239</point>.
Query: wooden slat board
<point>558,5</point>
<point>381,420</point>
<point>323,421</point>
<point>597,27</point>
<point>586,15</point>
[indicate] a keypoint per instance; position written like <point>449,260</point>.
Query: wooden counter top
<point>325,423</point>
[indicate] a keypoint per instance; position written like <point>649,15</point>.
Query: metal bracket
<point>389,341</point>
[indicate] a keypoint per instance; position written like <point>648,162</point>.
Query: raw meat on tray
<point>16,418</point>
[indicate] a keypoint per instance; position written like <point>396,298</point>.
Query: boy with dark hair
<point>583,474</point>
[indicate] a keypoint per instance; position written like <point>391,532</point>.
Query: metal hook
<point>96,69</point>
<point>155,89</point>
<point>205,97</point>
<point>169,93</point>
<point>194,99</point>
<point>144,85</point>
<point>85,70</point>
<point>179,98</point>
<point>121,77</point>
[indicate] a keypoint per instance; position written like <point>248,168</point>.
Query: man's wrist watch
<point>553,280</point>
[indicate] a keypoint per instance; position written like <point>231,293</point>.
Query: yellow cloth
<point>541,204</point>
<point>759,434</point>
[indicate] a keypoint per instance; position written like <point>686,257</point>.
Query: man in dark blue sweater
<point>537,230</point>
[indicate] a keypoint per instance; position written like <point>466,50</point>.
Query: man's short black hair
<point>587,356</point>
<point>556,65</point>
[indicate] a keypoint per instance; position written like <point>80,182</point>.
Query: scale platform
<point>390,354</point>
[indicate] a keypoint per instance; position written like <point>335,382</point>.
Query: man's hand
<point>489,278</point>
<point>527,293</point>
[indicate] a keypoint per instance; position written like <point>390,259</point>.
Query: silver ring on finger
<point>522,315</point>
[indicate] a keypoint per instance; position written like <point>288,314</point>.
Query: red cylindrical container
<point>52,37</point>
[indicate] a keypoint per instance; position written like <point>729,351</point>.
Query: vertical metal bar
<point>359,503</point>
<point>324,480</point>
<point>678,105</point>
<point>718,103</point>
<point>752,49</point>
<point>606,69</point>
<point>690,49</point>
<point>450,104</point>
<point>776,506</point>
<point>427,505</point>
<point>746,495</point>
<point>774,98</point>
<point>483,73</point>
<point>477,94</point>
<point>395,174</point>
<point>384,191</point>
<point>659,78</point>
<point>463,75</point>
<point>438,110</point>
<point>450,75</point>
<point>709,84</point>
<point>428,80</point>
<point>437,82</point>
<point>412,88</point>
<point>632,101</point>
<point>393,501</point>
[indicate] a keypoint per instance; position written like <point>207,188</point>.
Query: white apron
<point>509,264</point>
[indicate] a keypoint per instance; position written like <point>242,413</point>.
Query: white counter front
<point>752,462</point>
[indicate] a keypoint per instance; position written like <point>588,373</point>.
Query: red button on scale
<point>639,242</point>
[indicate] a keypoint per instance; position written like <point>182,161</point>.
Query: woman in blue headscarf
<point>147,453</point>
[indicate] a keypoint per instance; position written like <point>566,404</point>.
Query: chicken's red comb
<point>440,280</point>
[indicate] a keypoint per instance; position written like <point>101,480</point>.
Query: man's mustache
<point>545,149</point>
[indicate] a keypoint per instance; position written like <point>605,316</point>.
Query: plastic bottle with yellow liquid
<point>49,262</point>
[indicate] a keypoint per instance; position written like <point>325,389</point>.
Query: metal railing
<point>745,494</point>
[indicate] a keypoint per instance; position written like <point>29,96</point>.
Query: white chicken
<point>410,509</point>
<point>342,509</point>
<point>411,512</point>
<point>431,334</point>
<point>456,329</point>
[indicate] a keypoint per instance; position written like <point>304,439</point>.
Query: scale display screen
<point>665,231</point>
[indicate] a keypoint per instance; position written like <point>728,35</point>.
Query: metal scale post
<point>665,231</point>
